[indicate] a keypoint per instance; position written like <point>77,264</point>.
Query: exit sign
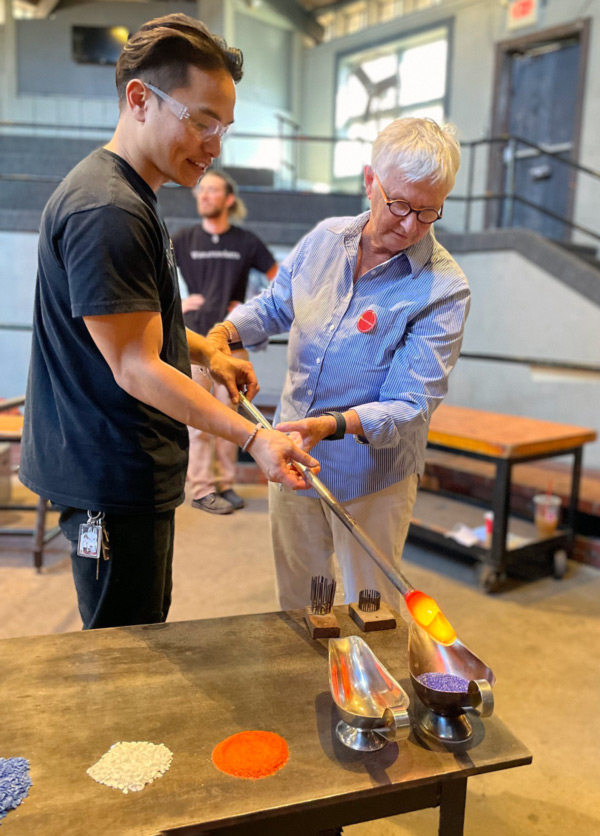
<point>522,13</point>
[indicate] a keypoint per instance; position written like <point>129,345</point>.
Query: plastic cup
<point>546,511</point>
<point>489,527</point>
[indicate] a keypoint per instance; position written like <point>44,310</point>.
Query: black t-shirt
<point>217,266</point>
<point>86,443</point>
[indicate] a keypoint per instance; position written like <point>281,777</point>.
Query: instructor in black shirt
<point>215,258</point>
<point>109,392</point>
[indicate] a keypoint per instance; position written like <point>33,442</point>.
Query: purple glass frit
<point>14,783</point>
<point>448,682</point>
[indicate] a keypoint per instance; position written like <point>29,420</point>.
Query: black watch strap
<point>340,426</point>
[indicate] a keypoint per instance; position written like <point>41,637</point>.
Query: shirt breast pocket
<point>378,333</point>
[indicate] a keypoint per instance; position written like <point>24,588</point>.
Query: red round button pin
<point>367,322</point>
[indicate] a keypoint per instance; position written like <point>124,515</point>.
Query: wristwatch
<point>340,426</point>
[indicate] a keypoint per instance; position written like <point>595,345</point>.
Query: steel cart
<point>504,440</point>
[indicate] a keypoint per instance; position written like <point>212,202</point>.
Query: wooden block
<point>321,626</point>
<point>381,619</point>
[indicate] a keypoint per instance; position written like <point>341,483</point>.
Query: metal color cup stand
<point>373,707</point>
<point>369,600</point>
<point>370,613</point>
<point>445,717</point>
<point>322,594</point>
<point>321,622</point>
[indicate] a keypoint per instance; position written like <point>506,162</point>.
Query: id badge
<point>89,542</point>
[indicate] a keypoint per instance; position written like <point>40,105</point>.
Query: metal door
<point>542,109</point>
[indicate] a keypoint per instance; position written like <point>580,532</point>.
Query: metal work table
<point>67,698</point>
<point>504,440</point>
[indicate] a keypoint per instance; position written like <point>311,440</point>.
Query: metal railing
<point>509,195</point>
<point>505,193</point>
<point>536,362</point>
<point>533,362</point>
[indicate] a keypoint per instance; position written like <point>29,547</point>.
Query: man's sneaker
<point>214,504</point>
<point>233,498</point>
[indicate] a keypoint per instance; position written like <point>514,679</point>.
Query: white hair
<point>419,149</point>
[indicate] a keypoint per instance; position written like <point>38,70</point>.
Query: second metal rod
<point>361,536</point>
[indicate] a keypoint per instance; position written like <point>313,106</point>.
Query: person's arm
<point>238,295</point>
<point>193,302</point>
<point>270,313</point>
<point>190,300</point>
<point>222,334</point>
<point>131,344</point>
<point>313,430</point>
<point>416,383</point>
<point>232,372</point>
<point>263,259</point>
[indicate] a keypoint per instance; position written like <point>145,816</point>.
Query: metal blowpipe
<point>422,608</point>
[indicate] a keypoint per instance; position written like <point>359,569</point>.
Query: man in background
<point>214,259</point>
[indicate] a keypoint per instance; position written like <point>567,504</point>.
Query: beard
<point>212,212</point>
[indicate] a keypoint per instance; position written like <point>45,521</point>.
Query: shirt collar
<point>418,255</point>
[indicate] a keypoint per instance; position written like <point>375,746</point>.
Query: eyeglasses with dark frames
<point>402,208</point>
<point>204,129</point>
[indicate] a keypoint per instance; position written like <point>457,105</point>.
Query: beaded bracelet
<point>251,437</point>
<point>227,328</point>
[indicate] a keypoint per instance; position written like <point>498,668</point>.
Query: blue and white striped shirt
<point>393,375</point>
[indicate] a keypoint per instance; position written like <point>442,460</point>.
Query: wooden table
<point>67,698</point>
<point>506,440</point>
<point>11,430</point>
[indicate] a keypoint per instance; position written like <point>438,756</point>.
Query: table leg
<point>453,797</point>
<point>492,573</point>
<point>574,499</point>
<point>38,533</point>
<point>500,507</point>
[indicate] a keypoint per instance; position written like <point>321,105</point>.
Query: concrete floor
<point>540,638</point>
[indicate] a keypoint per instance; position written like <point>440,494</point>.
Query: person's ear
<point>136,94</point>
<point>230,201</point>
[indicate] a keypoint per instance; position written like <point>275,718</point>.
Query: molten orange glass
<point>428,615</point>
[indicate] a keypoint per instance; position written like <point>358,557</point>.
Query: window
<point>352,18</point>
<point>355,18</point>
<point>405,77</point>
<point>328,22</point>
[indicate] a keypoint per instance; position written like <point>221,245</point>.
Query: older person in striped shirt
<point>375,308</point>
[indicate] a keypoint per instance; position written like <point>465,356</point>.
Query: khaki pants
<point>306,533</point>
<point>212,459</point>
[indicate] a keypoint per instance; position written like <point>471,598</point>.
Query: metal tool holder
<point>320,620</point>
<point>373,707</point>
<point>369,600</point>
<point>370,613</point>
<point>446,715</point>
<point>322,594</point>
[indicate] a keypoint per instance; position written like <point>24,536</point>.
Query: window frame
<point>407,34</point>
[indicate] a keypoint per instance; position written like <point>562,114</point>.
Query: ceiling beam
<point>45,8</point>
<point>303,21</point>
